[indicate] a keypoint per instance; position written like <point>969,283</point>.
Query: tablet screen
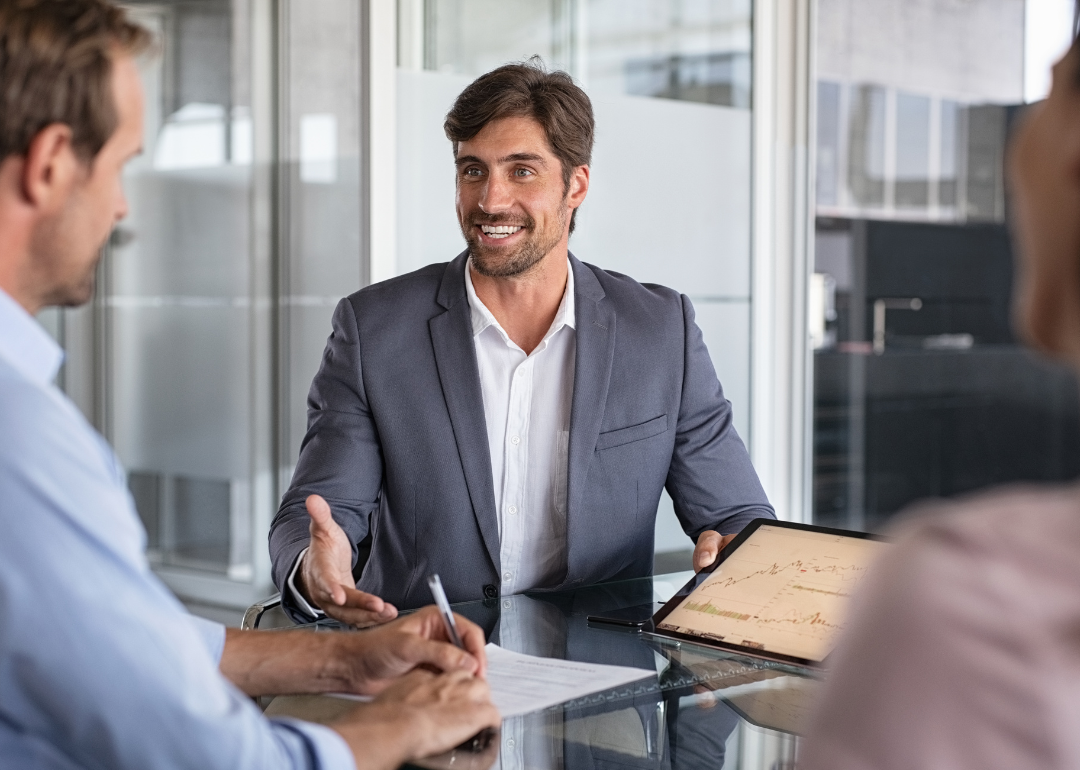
<point>783,591</point>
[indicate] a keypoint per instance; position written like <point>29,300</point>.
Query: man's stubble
<point>495,263</point>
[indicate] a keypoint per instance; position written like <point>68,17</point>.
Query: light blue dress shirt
<point>100,666</point>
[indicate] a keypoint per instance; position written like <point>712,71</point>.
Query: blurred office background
<point>822,178</point>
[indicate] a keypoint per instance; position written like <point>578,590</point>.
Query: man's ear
<point>50,167</point>
<point>579,186</point>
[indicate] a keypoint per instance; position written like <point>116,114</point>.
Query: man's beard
<point>497,263</point>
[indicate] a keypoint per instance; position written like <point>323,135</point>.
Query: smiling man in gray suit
<point>508,419</point>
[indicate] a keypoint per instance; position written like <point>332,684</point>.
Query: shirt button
<point>507,604</point>
<point>512,510</point>
<point>510,743</point>
<point>519,372</point>
<point>507,576</point>
<point>515,440</point>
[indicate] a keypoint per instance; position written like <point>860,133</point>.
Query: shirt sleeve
<point>294,593</point>
<point>120,676</point>
<point>213,636</point>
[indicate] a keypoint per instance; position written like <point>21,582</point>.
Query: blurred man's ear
<point>1044,178</point>
<point>49,168</point>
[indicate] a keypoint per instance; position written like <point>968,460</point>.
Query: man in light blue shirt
<point>100,666</point>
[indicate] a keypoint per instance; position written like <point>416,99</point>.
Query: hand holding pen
<point>485,737</point>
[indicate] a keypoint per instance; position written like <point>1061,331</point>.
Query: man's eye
<point>522,172</point>
<point>473,171</point>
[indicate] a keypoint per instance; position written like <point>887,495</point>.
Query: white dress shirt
<point>527,400</point>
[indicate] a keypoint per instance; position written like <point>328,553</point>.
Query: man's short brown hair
<point>527,89</point>
<point>56,67</point>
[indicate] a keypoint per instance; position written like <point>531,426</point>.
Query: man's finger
<point>354,617</point>
<point>443,656</point>
<point>359,600</point>
<point>334,592</point>
<point>472,636</point>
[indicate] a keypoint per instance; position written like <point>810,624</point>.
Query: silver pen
<point>484,738</point>
<point>444,610</point>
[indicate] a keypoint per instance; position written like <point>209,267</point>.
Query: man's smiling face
<point>512,203</point>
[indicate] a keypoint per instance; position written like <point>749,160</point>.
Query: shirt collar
<point>25,344</point>
<point>482,317</point>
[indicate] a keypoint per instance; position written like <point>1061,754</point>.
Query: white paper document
<point>521,684</point>
<point>524,683</point>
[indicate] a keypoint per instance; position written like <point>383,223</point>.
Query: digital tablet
<point>778,591</point>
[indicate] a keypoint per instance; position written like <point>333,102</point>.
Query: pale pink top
<point>963,649</point>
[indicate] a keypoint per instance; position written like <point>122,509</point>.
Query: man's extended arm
<point>711,480</point>
<point>295,662</point>
<point>341,461</point>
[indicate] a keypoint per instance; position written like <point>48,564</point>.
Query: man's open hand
<point>709,545</point>
<point>325,576</point>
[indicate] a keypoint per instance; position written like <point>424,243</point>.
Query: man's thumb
<point>319,511</point>
<point>439,654</point>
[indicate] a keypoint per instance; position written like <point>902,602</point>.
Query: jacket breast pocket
<point>644,430</point>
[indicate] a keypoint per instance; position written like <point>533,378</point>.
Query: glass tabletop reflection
<point>703,709</point>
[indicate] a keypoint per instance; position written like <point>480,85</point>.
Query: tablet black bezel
<point>729,549</point>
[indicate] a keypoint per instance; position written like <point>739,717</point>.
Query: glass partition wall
<point>921,388</point>
<point>215,294</point>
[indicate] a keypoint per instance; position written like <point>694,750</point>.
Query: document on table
<point>521,684</point>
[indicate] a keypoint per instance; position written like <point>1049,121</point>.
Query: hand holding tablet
<point>779,591</point>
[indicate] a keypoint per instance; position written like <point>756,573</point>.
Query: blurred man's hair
<point>528,90</point>
<point>56,67</point>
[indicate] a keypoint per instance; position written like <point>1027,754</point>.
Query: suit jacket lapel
<point>592,374</point>
<point>455,357</point>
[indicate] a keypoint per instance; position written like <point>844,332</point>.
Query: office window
<point>180,315</point>
<point>669,200</point>
<point>215,294</point>
<point>912,150</point>
<point>828,145</point>
<point>950,151</point>
<point>921,388</point>
<point>866,164</point>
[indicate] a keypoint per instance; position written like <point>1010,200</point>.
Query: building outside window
<point>921,388</point>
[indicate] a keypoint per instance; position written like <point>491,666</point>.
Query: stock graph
<point>783,590</point>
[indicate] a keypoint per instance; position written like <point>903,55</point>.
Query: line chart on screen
<point>784,591</point>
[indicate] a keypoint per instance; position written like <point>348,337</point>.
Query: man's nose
<point>495,196</point>
<point>121,207</point>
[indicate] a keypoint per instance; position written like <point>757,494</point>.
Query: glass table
<point>704,709</point>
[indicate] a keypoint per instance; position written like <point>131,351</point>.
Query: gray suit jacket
<point>397,444</point>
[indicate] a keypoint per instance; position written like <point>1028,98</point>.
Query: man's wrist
<point>345,662</point>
